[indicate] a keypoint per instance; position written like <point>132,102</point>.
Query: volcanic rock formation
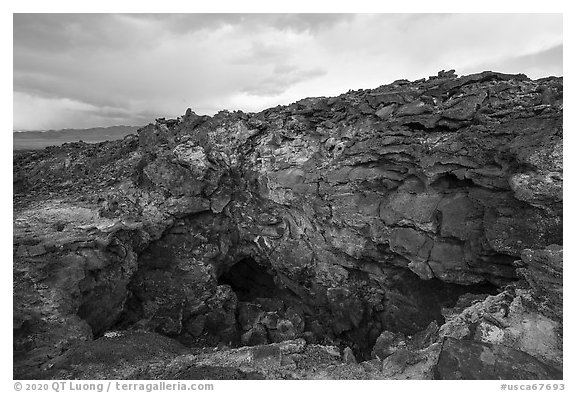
<point>415,228</point>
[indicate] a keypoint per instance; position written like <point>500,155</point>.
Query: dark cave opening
<point>449,181</point>
<point>269,309</point>
<point>430,299</point>
<point>249,280</point>
<point>409,306</point>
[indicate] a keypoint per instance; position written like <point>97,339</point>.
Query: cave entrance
<point>249,280</point>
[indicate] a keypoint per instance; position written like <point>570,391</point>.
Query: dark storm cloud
<point>84,70</point>
<point>61,33</point>
<point>75,55</point>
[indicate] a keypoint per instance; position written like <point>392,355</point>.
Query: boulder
<point>466,359</point>
<point>387,343</point>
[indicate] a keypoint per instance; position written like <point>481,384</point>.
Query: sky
<point>91,70</point>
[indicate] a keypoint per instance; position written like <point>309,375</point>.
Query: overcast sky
<point>88,70</point>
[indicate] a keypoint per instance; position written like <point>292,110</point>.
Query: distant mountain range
<point>40,139</point>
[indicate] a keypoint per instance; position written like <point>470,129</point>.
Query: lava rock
<point>283,331</point>
<point>543,271</point>
<point>387,343</point>
<point>366,212</point>
<point>255,336</point>
<point>348,356</point>
<point>465,359</point>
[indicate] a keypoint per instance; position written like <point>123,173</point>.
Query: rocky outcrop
<point>461,359</point>
<point>355,221</point>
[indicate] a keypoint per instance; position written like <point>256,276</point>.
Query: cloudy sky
<point>87,70</point>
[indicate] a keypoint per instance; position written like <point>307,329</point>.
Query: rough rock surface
<point>465,359</point>
<point>352,222</point>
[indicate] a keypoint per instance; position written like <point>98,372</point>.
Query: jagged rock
<point>270,320</point>
<point>249,314</point>
<point>464,108</point>
<point>348,356</point>
<point>509,319</point>
<point>296,318</point>
<point>543,271</point>
<point>257,335</point>
<point>284,331</point>
<point>221,319</point>
<point>425,338</point>
<point>411,364</point>
<point>466,359</point>
<point>123,356</point>
<point>387,343</point>
<point>345,216</point>
<point>385,111</point>
<point>195,325</point>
